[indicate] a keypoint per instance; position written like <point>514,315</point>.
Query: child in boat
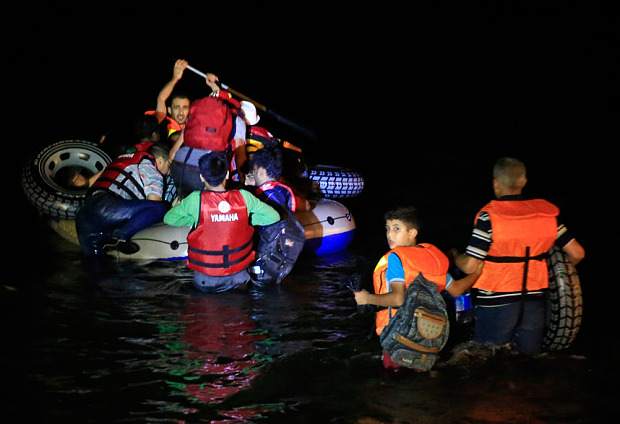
<point>220,243</point>
<point>399,267</point>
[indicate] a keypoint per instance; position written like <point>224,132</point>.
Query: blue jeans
<point>105,217</point>
<point>503,324</point>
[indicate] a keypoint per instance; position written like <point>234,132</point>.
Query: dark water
<point>135,343</point>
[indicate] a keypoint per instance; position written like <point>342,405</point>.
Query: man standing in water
<point>512,237</point>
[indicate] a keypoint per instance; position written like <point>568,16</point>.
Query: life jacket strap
<point>224,253</point>
<point>516,259</point>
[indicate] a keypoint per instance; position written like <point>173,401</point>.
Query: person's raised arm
<point>166,91</point>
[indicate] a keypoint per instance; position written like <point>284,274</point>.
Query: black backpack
<point>279,245</point>
<point>419,329</point>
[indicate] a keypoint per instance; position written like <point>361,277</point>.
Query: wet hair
<point>159,150</point>
<point>213,167</point>
<point>510,173</point>
<point>406,214</point>
<point>270,160</point>
<point>145,126</point>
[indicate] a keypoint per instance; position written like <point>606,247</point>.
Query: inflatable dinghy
<point>329,225</point>
<point>329,228</point>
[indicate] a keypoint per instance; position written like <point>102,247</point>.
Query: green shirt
<point>188,211</point>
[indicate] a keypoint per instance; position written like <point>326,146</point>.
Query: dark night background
<point>421,100</point>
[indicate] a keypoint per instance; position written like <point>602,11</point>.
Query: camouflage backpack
<point>419,329</point>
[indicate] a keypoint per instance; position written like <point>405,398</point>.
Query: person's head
<point>161,154</point>
<point>508,177</point>
<point>401,225</point>
<point>146,128</point>
<point>213,168</point>
<point>265,165</point>
<point>179,107</point>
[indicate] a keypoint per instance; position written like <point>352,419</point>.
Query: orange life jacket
<point>523,233</point>
<point>221,244</point>
<point>425,258</point>
<point>172,126</point>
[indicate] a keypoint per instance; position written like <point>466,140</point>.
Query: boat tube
<point>328,224</point>
<point>329,227</point>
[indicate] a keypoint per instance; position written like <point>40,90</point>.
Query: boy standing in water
<point>220,242</point>
<point>398,268</point>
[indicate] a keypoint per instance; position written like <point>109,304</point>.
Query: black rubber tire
<point>564,302</point>
<point>44,192</point>
<point>335,182</point>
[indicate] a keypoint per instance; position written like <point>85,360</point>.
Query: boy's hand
<point>361,297</point>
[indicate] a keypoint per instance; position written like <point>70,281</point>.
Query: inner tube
<point>336,182</point>
<point>564,302</point>
<point>329,227</point>
<point>45,176</point>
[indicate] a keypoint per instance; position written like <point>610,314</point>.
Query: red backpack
<point>209,125</point>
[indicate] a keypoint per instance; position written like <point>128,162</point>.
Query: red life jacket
<point>270,185</point>
<point>424,258</point>
<point>523,233</point>
<point>221,244</point>
<point>210,125</point>
<point>115,178</point>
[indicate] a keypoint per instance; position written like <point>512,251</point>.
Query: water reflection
<point>136,343</point>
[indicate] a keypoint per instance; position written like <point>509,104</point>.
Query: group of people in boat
<point>193,175</point>
<point>208,145</point>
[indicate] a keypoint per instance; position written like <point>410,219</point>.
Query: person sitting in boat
<point>124,199</point>
<point>512,237</point>
<point>146,133</point>
<point>220,242</point>
<point>214,125</point>
<point>172,107</point>
<point>398,268</point>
